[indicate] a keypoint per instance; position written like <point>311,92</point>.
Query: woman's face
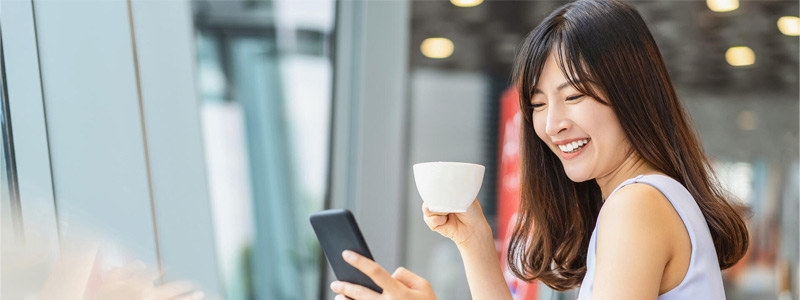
<point>583,132</point>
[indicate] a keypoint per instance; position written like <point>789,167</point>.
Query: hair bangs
<point>570,60</point>
<point>561,40</point>
<point>530,62</point>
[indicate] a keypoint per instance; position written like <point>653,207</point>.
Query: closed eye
<point>576,97</point>
<point>536,105</point>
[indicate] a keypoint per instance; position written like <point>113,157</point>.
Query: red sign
<point>508,192</point>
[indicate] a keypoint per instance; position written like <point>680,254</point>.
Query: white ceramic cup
<point>448,186</point>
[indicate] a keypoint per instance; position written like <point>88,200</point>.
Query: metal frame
<point>30,146</point>
<point>8,151</point>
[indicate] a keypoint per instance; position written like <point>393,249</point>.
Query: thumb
<point>409,279</point>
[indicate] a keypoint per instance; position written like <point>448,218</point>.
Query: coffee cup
<point>449,187</point>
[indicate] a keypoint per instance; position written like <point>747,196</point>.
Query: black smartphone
<point>337,231</point>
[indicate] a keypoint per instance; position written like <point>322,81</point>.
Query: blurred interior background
<point>199,135</point>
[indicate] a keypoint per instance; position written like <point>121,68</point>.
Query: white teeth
<point>574,146</point>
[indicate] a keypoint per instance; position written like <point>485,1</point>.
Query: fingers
<point>435,221</point>
<point>353,291</point>
<point>427,212</point>
<point>370,268</point>
<point>410,279</point>
<point>432,219</point>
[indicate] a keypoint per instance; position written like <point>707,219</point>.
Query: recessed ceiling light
<point>789,25</point>
<point>722,5</point>
<point>747,120</point>
<point>437,47</point>
<point>740,56</point>
<point>466,3</point>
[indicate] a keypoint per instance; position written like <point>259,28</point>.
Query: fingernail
<point>335,286</point>
<point>347,255</point>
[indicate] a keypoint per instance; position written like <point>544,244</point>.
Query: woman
<point>617,195</point>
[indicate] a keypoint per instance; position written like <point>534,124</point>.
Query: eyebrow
<point>558,88</point>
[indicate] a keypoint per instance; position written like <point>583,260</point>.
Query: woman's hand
<point>135,281</point>
<point>462,228</point>
<point>403,284</point>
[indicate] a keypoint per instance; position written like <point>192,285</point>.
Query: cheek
<point>610,133</point>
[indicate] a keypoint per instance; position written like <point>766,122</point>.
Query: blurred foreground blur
<point>85,267</point>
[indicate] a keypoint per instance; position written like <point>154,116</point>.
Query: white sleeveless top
<point>703,279</point>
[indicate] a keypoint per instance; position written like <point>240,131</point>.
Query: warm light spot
<point>789,25</point>
<point>747,120</point>
<point>740,56</point>
<point>437,47</point>
<point>722,5</point>
<point>466,3</point>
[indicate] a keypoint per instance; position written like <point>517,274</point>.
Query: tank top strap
<point>624,183</point>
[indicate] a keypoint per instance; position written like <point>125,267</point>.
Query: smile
<point>574,146</point>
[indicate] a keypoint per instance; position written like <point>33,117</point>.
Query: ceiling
<point>693,39</point>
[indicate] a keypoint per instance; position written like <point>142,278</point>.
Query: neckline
<point>633,179</point>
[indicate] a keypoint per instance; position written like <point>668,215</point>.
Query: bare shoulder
<point>636,231</point>
<point>635,199</point>
<point>640,211</point>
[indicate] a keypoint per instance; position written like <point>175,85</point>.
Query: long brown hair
<point>605,44</point>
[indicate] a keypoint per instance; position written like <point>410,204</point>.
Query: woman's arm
<point>473,236</point>
<point>638,234</point>
<point>484,275</point>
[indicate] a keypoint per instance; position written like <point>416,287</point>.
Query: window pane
<point>9,196</point>
<point>265,77</point>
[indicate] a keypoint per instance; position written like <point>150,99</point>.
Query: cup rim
<point>449,162</point>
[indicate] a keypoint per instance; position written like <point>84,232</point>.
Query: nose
<point>557,120</point>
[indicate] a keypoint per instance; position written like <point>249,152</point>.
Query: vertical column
<point>382,146</point>
<point>369,160</point>
<point>97,143</point>
<point>165,56</point>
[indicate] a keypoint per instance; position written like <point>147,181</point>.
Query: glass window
<point>9,195</point>
<point>265,77</point>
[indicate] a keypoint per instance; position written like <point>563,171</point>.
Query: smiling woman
<point>620,103</point>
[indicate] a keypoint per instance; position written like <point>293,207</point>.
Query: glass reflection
<point>265,76</point>
<point>9,190</point>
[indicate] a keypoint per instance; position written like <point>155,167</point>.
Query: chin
<point>577,176</point>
